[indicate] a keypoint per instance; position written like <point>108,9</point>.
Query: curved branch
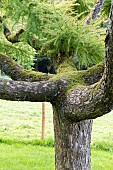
<point>86,98</point>
<point>16,72</point>
<point>31,91</point>
<point>88,102</point>
<point>95,100</point>
<point>13,38</point>
<point>108,71</point>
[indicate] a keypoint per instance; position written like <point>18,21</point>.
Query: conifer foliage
<point>56,30</point>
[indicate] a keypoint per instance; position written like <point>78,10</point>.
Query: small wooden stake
<point>43,121</point>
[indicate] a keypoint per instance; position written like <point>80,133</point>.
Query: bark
<point>16,72</point>
<point>27,91</point>
<point>72,137</point>
<point>73,103</point>
<point>81,103</point>
<point>72,141</point>
<point>108,72</point>
<point>93,74</point>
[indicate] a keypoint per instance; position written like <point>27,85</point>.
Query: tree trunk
<point>72,142</point>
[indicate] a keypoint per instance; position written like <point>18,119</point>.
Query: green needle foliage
<point>69,38</point>
<point>52,29</point>
<point>106,8</point>
<point>82,7</point>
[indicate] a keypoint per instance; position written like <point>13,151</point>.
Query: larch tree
<point>77,97</point>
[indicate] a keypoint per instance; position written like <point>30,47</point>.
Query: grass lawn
<point>101,160</point>
<point>20,144</point>
<point>26,157</point>
<point>22,121</point>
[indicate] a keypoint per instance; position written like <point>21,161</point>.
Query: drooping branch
<point>13,38</point>
<point>16,72</point>
<point>31,91</point>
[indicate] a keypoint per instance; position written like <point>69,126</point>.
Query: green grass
<point>102,143</point>
<point>101,160</point>
<point>22,121</point>
<point>22,149</point>
<point>26,157</point>
<point>102,132</point>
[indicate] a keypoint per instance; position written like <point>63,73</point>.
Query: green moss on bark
<point>68,72</point>
<point>79,78</point>
<point>16,72</point>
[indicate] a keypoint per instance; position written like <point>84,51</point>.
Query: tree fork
<point>71,106</point>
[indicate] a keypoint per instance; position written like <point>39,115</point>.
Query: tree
<point>76,97</point>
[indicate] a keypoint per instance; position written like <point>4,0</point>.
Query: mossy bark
<point>75,99</point>
<point>31,91</point>
<point>73,102</point>
<point>16,72</point>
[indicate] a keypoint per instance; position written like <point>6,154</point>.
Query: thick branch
<point>87,102</point>
<point>13,70</point>
<point>31,91</point>
<point>95,100</point>
<point>16,72</point>
<point>84,102</point>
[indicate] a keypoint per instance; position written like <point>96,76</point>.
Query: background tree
<point>76,97</point>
